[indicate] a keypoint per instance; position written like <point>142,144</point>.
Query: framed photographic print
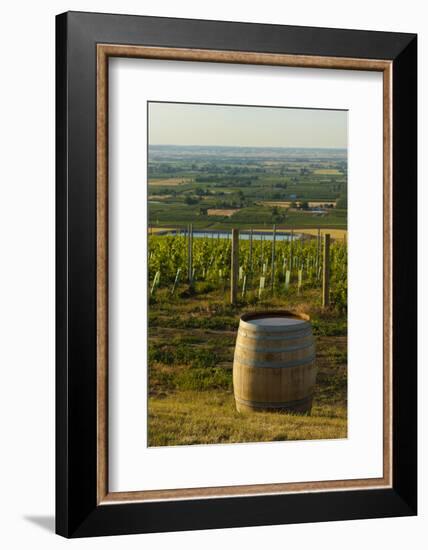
<point>236,274</point>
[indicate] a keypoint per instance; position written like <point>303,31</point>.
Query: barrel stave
<point>274,369</point>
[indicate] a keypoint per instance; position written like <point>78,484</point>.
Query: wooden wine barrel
<point>274,364</point>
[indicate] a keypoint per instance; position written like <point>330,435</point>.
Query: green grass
<point>213,311</point>
<point>191,346</point>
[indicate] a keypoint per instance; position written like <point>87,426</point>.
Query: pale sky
<point>194,124</point>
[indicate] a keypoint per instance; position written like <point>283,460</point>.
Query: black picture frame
<point>77,511</point>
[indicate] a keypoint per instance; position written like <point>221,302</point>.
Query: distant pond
<point>243,235</point>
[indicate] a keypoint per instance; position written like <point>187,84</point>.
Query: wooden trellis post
<point>318,251</point>
<point>326,272</point>
<point>234,268</point>
<point>251,251</point>
<point>273,258</point>
<point>250,271</point>
<point>190,255</point>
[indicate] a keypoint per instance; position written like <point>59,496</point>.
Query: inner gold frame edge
<point>104,51</point>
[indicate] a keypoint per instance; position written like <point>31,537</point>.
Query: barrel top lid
<point>275,321</point>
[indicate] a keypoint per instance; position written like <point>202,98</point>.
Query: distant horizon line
<point>249,146</point>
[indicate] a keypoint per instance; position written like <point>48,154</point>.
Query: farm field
<point>234,186</point>
<point>222,212</point>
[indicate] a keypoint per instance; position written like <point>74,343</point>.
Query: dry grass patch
<point>278,204</point>
<point>225,212</point>
<point>169,182</point>
<point>190,418</point>
<point>159,197</point>
<point>337,234</point>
